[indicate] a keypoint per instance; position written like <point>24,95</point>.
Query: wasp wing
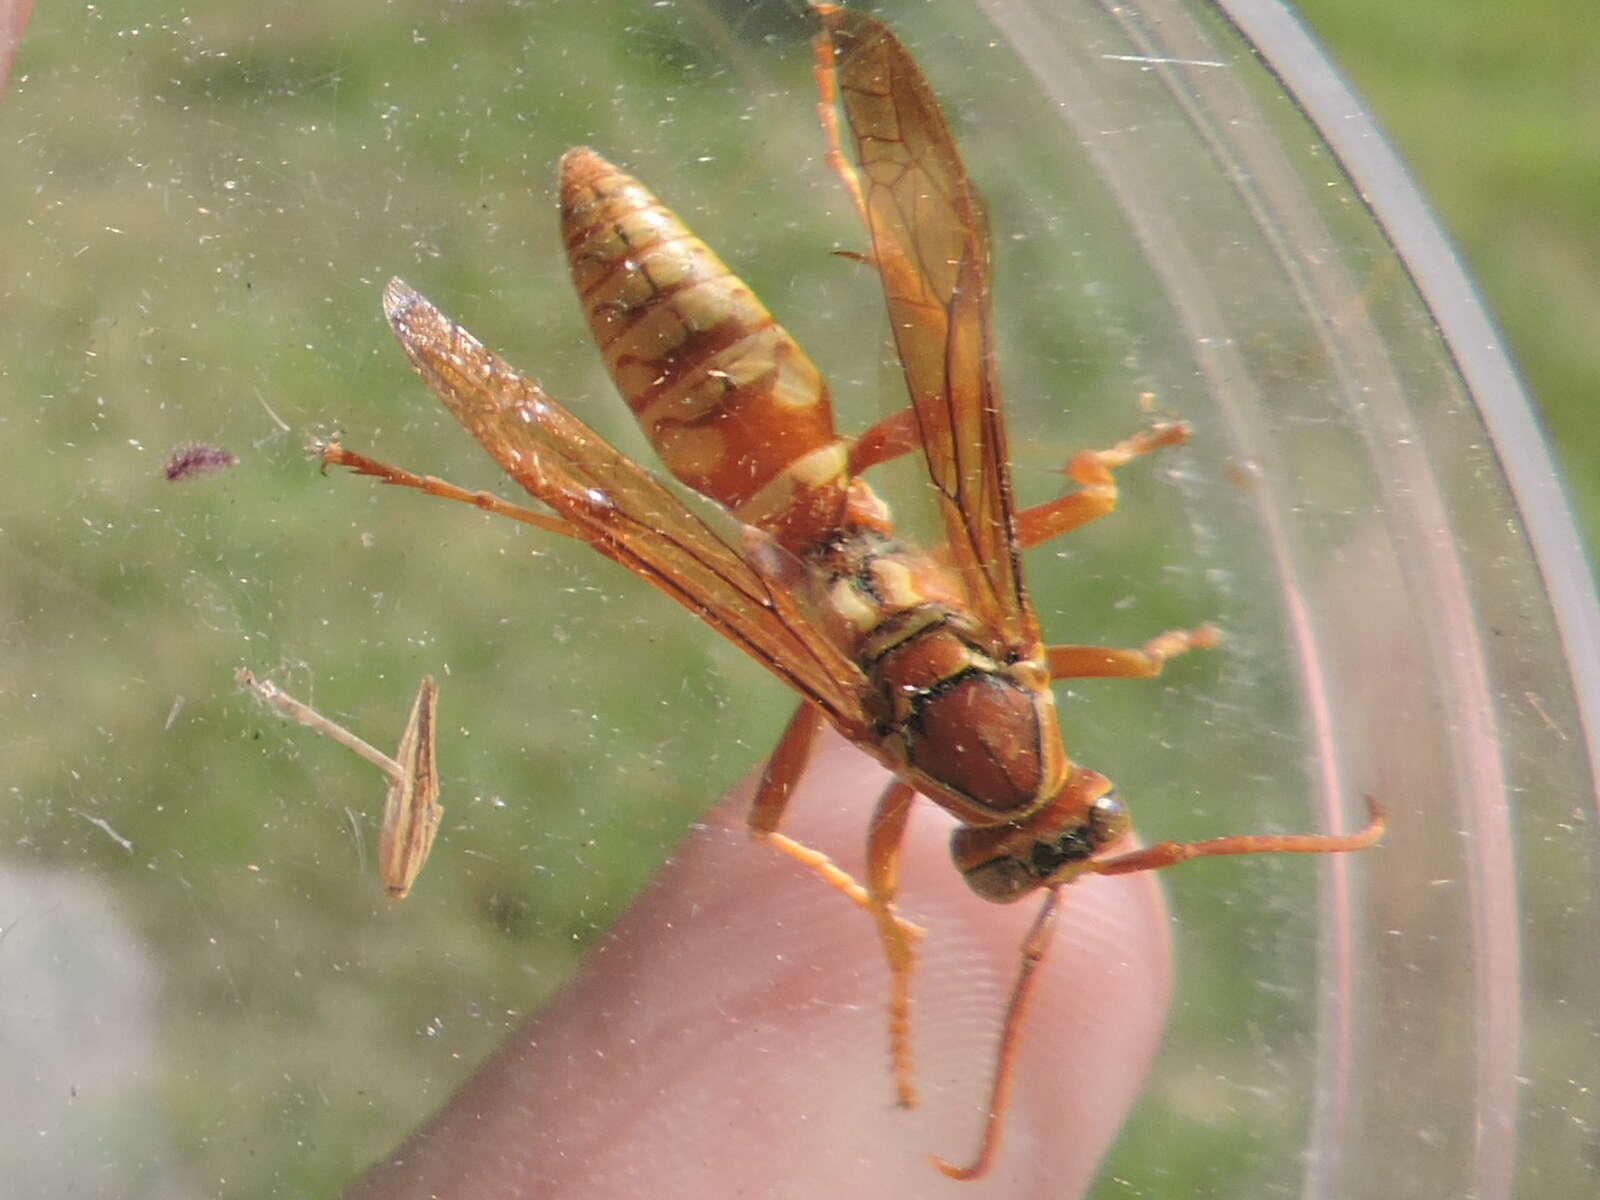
<point>930,245</point>
<point>619,508</point>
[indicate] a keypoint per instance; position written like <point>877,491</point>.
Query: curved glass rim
<point>1159,32</point>
<point>1468,333</point>
<point>1464,325</point>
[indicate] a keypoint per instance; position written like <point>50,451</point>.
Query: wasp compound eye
<point>1108,820</point>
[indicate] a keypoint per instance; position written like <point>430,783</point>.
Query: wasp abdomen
<point>734,407</point>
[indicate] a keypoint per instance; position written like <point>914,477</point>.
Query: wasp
<point>931,662</point>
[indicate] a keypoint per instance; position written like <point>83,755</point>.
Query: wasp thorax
<point>1005,863</point>
<point>979,734</point>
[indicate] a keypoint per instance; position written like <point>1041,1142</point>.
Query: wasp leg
<point>895,435</point>
<point>1097,491</point>
<point>1108,662</point>
<point>783,771</point>
<point>885,837</point>
<point>1092,470</point>
<point>827,75</point>
<point>333,454</point>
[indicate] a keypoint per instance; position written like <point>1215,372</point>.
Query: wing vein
<point>622,510</point>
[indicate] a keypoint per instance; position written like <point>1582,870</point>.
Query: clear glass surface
<point>203,988</point>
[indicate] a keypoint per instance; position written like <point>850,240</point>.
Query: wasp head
<point>1053,846</point>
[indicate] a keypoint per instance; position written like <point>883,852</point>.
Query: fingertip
<point>733,1031</point>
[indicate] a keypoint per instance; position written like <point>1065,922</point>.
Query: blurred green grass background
<point>1497,112</point>
<point>204,208</point>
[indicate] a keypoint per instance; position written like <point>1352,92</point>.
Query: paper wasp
<point>933,663</point>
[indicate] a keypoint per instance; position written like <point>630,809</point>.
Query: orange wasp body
<point>932,664</point>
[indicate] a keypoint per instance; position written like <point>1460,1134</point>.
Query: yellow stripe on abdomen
<point>726,396</point>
